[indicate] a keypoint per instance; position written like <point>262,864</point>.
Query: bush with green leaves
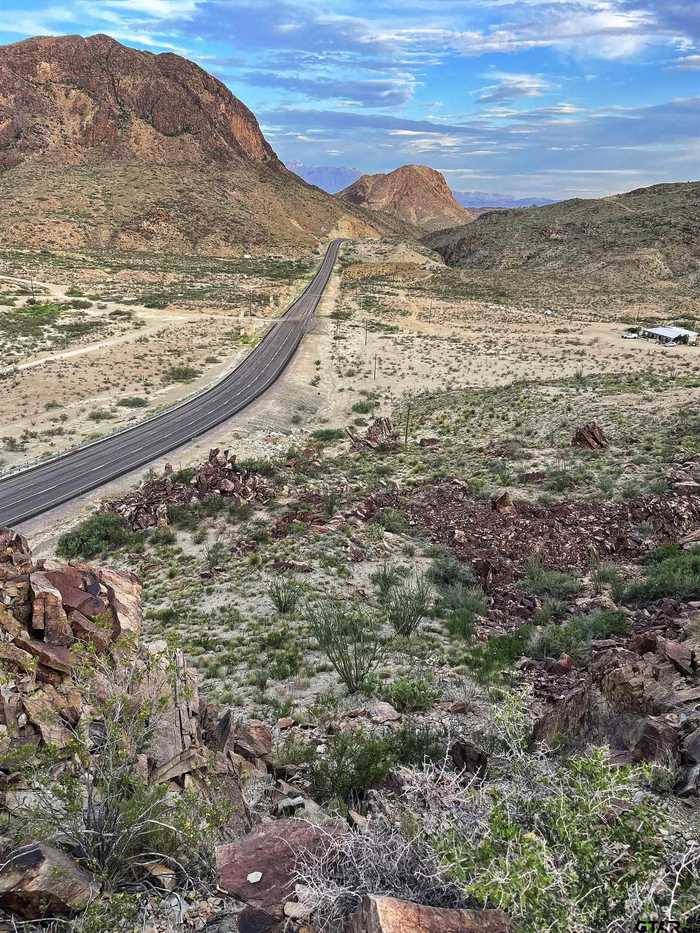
<point>670,573</point>
<point>354,762</point>
<point>385,578</point>
<point>97,534</point>
<point>408,604</point>
<point>551,583</point>
<point>93,800</point>
<point>411,694</point>
<point>564,849</point>
<point>350,636</point>
<point>463,604</point>
<point>575,636</point>
<point>446,571</point>
<point>285,593</point>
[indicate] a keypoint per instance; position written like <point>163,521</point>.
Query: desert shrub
<point>446,571</point>
<point>364,407</point>
<point>488,660</point>
<point>328,434</point>
<point>408,604</point>
<point>102,809</point>
<point>552,583</point>
<point>463,604</point>
<point>551,610</point>
<point>409,694</point>
<point>353,762</point>
<point>285,593</point>
<point>575,636</point>
<point>350,637</point>
<point>184,475</point>
<point>100,414</point>
<point>566,857</point>
<point>181,374</point>
<point>186,517</point>
<point>160,536</point>
<point>670,573</point>
<point>101,532</point>
<point>257,465</point>
<point>385,578</point>
<point>391,520</point>
<point>133,401</point>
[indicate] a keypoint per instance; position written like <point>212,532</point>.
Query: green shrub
<point>567,858</point>
<point>489,659</point>
<point>463,604</point>
<point>364,407</point>
<point>385,578</point>
<point>180,373</point>
<point>285,593</point>
<point>133,401</point>
<point>408,604</point>
<point>350,638</point>
<point>446,571</point>
<point>352,763</point>
<point>328,434</point>
<point>549,582</point>
<point>101,532</point>
<point>575,636</point>
<point>257,465</point>
<point>391,520</point>
<point>410,694</point>
<point>159,536</point>
<point>670,573</point>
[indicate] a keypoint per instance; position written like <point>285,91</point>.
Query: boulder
<point>37,880</point>
<point>271,850</point>
<point>390,915</point>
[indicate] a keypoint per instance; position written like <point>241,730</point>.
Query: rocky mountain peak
<point>414,193</point>
<point>71,97</point>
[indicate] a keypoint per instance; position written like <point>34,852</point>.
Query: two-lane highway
<point>35,490</point>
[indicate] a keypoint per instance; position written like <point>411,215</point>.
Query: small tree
<point>407,605</point>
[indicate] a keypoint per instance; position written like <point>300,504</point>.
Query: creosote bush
<point>350,637</point>
<point>551,583</point>
<point>671,572</point>
<point>410,694</point>
<point>101,532</point>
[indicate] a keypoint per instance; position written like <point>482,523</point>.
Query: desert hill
<point>105,146</point>
<point>648,234</point>
<point>415,194</point>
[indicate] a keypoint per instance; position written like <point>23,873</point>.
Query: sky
<point>547,98</point>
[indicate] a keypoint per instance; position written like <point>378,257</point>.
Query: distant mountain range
<point>480,199</point>
<point>334,178</point>
<point>331,178</point>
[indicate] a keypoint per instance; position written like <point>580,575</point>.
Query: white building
<point>670,335</point>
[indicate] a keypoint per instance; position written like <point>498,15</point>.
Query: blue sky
<point>534,97</point>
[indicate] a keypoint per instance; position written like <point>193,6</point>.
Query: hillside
<point>105,146</point>
<point>415,194</point>
<point>650,234</point>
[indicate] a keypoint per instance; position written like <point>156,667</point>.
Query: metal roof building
<point>669,334</point>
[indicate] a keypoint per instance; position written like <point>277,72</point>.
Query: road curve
<point>35,490</point>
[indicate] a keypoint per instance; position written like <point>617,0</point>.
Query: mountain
<point>329,178</point>
<point>645,235</point>
<point>415,194</point>
<point>482,199</point>
<point>105,146</point>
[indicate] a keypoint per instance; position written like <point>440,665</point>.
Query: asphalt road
<point>36,490</point>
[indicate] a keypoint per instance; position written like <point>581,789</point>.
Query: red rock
<point>286,722</point>
<point>271,849</point>
<point>390,915</point>
<point>37,880</point>
<point>52,656</point>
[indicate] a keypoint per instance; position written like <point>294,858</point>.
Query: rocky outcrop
<point>218,476</point>
<point>38,880</point>
<point>74,97</point>
<point>259,869</point>
<point>390,915</point>
<point>414,193</point>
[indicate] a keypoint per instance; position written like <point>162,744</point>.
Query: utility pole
<point>375,366</point>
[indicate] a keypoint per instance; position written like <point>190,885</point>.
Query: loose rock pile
<point>219,476</point>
